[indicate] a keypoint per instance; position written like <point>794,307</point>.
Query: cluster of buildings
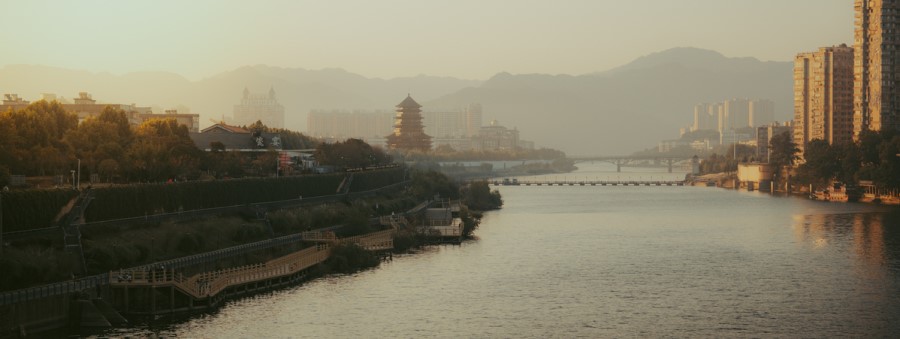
<point>253,107</point>
<point>743,121</point>
<point>459,129</point>
<point>85,106</point>
<point>263,107</point>
<point>841,91</point>
<point>733,114</point>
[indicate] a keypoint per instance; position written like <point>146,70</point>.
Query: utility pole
<point>78,180</point>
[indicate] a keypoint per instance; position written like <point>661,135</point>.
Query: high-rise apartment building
<point>876,69</point>
<point>733,114</point>
<point>764,135</point>
<point>701,118</point>
<point>823,96</point>
<point>340,125</point>
<point>262,107</point>
<point>762,112</point>
<point>737,113</point>
<point>473,119</point>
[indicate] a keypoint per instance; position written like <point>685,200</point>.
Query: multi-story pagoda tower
<point>409,134</point>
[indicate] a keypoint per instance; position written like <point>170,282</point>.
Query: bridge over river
<point>638,161</point>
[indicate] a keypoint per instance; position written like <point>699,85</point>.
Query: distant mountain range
<point>627,108</point>
<point>612,112</point>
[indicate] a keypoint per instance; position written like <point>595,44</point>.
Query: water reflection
<point>870,238</point>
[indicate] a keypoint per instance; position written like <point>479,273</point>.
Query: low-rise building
<point>755,175</point>
<point>496,138</point>
<point>443,223</point>
<point>233,138</point>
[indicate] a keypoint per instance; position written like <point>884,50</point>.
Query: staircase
<point>70,226</point>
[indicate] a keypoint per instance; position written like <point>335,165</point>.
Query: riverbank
<point>671,261</point>
<point>349,219</point>
<point>839,195</point>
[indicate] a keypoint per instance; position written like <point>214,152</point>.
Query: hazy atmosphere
<point>450,169</point>
<point>194,55</point>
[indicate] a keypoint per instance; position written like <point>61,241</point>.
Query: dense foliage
<point>23,210</point>
<point>426,184</point>
<point>43,139</point>
<point>478,196</point>
<point>352,153</point>
<point>349,258</point>
<point>875,157</point>
<point>728,161</point>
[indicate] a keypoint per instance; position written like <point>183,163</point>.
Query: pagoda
<point>409,134</point>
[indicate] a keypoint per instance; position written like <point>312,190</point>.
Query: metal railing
<point>82,284</point>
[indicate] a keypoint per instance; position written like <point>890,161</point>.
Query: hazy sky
<point>471,39</point>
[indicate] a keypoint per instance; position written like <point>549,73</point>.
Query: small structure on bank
<point>442,223</point>
<point>409,133</point>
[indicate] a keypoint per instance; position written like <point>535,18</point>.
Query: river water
<point>608,262</point>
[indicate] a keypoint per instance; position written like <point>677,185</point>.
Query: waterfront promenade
<point>584,183</point>
<point>155,291</point>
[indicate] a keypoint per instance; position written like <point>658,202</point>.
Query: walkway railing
<point>586,183</point>
<point>208,284</point>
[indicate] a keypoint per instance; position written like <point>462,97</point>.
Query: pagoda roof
<point>409,102</point>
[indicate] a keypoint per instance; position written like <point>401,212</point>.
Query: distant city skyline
<point>463,39</point>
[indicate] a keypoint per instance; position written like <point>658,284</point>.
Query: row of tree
<point>875,157</point>
<point>44,139</point>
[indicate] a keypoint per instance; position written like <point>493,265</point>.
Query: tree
<point>782,152</point>
<point>163,150</point>
<point>4,176</point>
<point>427,184</point>
<point>822,164</point>
<point>888,172</point>
<point>108,168</point>
<point>478,196</point>
<point>352,153</point>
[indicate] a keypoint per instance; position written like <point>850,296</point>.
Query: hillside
<point>299,90</point>
<point>627,108</point>
<point>618,111</point>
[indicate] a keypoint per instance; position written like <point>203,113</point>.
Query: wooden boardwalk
<point>165,291</point>
<point>583,183</point>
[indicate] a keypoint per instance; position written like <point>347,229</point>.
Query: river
<point>607,262</point>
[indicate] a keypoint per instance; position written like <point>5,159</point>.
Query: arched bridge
<point>636,161</point>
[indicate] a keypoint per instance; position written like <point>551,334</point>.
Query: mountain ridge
<point>653,95</point>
